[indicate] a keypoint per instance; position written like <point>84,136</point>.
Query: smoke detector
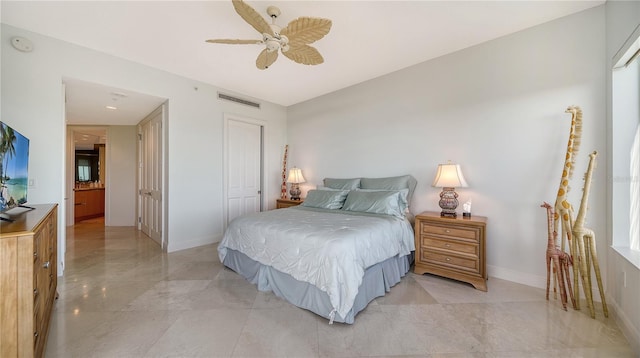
<point>22,44</point>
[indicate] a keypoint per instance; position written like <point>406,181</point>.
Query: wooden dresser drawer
<point>456,246</point>
<point>467,264</point>
<point>452,231</point>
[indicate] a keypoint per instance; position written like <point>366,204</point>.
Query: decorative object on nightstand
<point>466,209</point>
<point>295,178</point>
<point>285,203</point>
<point>283,187</point>
<point>451,247</point>
<point>449,177</point>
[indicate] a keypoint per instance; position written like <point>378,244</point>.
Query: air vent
<point>238,100</point>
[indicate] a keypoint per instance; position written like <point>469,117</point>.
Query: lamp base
<point>295,191</point>
<point>448,202</point>
<point>446,214</point>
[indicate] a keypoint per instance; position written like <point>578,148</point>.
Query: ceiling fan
<point>293,40</point>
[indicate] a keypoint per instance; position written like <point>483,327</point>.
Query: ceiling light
<point>111,107</point>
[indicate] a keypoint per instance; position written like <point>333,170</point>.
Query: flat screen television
<point>14,164</point>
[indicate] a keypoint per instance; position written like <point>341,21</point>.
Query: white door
<point>150,175</point>
<point>244,168</point>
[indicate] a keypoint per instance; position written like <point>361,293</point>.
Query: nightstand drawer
<point>431,243</point>
<point>451,261</point>
<point>451,231</point>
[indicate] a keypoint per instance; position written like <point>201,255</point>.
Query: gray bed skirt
<point>378,279</point>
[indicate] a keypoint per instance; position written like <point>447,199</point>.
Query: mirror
<point>87,165</point>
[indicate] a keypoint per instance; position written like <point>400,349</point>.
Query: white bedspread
<point>328,248</point>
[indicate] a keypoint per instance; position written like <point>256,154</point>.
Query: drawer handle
<point>447,231</point>
<point>447,245</point>
<point>35,334</point>
<point>448,259</point>
<point>35,292</point>
<point>35,254</point>
<point>46,265</point>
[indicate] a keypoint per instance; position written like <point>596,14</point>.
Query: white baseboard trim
<point>538,281</point>
<point>517,276</point>
<point>630,332</point>
<point>200,241</point>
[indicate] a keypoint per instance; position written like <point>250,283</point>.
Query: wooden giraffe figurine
<point>563,211</point>
<point>585,242</point>
<point>558,262</point>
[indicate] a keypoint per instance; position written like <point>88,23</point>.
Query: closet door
<point>244,168</point>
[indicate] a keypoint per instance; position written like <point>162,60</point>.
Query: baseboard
<point>200,241</point>
<point>537,281</point>
<point>517,276</point>
<point>624,323</point>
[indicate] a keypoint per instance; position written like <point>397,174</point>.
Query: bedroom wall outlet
<point>33,183</point>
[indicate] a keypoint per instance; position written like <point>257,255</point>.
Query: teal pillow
<point>325,199</point>
<point>403,200</point>
<point>342,184</point>
<point>375,202</point>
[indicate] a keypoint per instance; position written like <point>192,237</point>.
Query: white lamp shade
<point>449,176</point>
<point>295,176</point>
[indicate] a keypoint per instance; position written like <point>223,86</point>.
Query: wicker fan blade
<point>252,17</point>
<point>306,30</point>
<point>305,55</point>
<point>234,42</point>
<point>266,59</point>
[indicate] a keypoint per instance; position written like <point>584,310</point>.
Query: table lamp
<point>295,178</point>
<point>449,177</point>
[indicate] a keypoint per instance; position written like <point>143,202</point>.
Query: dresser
<point>28,280</point>
<point>452,247</point>
<point>285,203</point>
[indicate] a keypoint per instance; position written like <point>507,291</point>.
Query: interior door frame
<point>263,159</point>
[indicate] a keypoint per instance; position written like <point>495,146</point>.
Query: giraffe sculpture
<point>585,243</point>
<point>563,211</point>
<point>558,262</point>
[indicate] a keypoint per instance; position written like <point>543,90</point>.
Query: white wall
<point>120,195</point>
<point>32,103</point>
<point>497,109</point>
<point>623,17</point>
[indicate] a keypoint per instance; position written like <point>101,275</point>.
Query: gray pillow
<point>403,201</point>
<point>342,184</point>
<point>375,202</point>
<point>391,183</point>
<point>325,199</point>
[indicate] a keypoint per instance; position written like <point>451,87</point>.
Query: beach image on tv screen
<point>14,160</point>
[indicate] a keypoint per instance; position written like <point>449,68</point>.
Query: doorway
<point>119,112</point>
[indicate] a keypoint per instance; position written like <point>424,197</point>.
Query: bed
<point>348,243</point>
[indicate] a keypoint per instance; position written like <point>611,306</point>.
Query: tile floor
<point>122,297</point>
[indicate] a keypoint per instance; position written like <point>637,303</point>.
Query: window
<point>634,212</point>
<point>84,170</point>
<point>626,147</point>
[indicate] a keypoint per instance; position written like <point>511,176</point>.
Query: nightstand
<point>452,247</point>
<point>285,203</point>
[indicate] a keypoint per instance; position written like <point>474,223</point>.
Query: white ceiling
<point>367,39</point>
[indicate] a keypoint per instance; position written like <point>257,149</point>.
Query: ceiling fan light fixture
<point>272,45</point>
<point>299,32</point>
